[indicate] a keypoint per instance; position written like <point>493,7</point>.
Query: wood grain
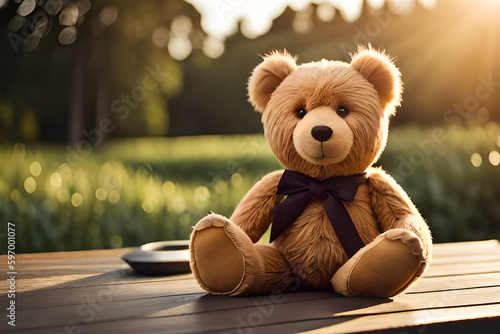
<point>96,292</point>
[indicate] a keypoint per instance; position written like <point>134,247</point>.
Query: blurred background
<point>125,122</point>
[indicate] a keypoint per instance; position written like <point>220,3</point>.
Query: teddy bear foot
<point>383,268</point>
<point>223,257</point>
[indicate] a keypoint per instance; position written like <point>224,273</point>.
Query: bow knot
<point>331,192</point>
<point>318,189</point>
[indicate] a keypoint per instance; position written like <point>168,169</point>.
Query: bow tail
<point>343,225</point>
<point>286,212</point>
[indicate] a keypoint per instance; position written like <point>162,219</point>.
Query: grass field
<point>135,191</point>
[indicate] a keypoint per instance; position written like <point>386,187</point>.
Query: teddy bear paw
<point>383,268</point>
<point>210,220</point>
<point>223,258</point>
<point>408,238</point>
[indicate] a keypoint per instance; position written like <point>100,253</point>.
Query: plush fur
<point>309,251</point>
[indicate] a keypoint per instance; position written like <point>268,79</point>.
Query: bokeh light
<point>494,158</point>
<point>476,159</point>
<point>181,26</point>
<point>101,194</point>
<point>76,200</point>
<point>236,180</point>
<point>16,23</point>
<point>213,47</point>
<point>53,7</point>
<point>116,241</point>
<point>113,197</point>
<point>179,47</point>
<point>67,35</point>
<point>30,185</point>
<point>35,168</point>
<point>302,22</point>
<point>26,7</point>
<point>168,188</point>
<point>69,16</point>
<point>325,12</point>
<point>108,15</point>
<point>148,206</point>
<point>160,37</point>
<point>55,180</point>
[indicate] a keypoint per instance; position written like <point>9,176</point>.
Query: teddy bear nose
<point>321,133</point>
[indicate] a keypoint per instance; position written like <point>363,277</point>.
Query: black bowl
<point>160,258</point>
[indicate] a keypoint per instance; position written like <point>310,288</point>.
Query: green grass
<point>139,190</point>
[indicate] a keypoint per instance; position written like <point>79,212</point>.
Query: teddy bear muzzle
<point>322,137</point>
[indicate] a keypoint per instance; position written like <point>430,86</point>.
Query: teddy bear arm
<point>254,213</point>
<point>394,210</point>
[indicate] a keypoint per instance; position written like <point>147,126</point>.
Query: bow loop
<point>331,192</point>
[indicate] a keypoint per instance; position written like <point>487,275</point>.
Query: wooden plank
<point>465,248</point>
<point>143,307</point>
<point>281,314</point>
<point>161,306</point>
<point>420,321</point>
<point>61,288</point>
<point>41,299</point>
<point>64,256</point>
<point>430,284</point>
<point>461,269</point>
<point>474,258</point>
<point>404,319</point>
<point>92,280</point>
<point>141,287</point>
<point>105,311</point>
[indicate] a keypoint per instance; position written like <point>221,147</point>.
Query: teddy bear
<point>338,224</point>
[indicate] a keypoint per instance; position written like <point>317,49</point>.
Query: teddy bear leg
<point>383,268</point>
<point>225,261</point>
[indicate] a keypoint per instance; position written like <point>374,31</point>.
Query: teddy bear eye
<point>301,113</point>
<point>342,111</point>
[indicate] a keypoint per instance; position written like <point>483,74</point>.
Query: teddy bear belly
<point>312,248</point>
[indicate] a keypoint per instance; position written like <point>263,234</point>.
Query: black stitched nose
<point>321,133</point>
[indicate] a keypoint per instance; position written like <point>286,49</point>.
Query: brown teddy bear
<point>338,223</point>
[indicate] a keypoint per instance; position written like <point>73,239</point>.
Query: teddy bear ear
<point>381,72</point>
<point>267,76</point>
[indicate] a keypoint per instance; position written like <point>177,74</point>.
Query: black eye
<point>342,111</point>
<point>301,113</point>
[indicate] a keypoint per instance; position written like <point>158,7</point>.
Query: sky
<point>220,17</point>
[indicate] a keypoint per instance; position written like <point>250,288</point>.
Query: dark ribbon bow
<point>332,191</point>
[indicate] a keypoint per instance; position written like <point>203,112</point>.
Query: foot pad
<point>384,270</point>
<point>219,264</point>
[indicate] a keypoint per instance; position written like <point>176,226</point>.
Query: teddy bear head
<point>326,118</point>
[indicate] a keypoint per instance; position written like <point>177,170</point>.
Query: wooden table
<point>96,292</point>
